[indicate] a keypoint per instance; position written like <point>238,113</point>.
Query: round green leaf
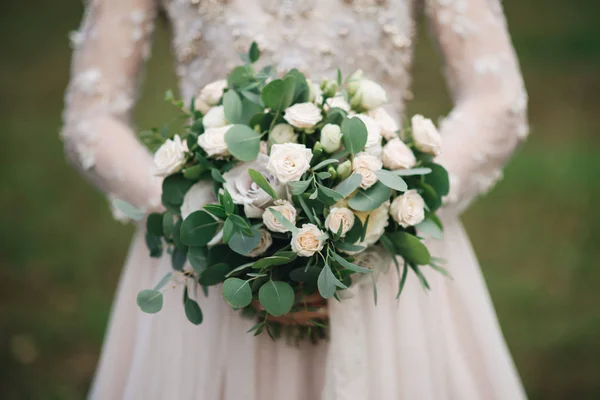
<point>391,180</point>
<point>354,134</point>
<point>410,247</point>
<point>154,224</point>
<point>150,301</point>
<point>232,105</point>
<point>370,199</point>
<point>243,143</point>
<point>214,274</point>
<point>276,297</point>
<point>327,283</point>
<point>438,179</point>
<point>198,228</point>
<point>237,292</point>
<point>174,188</point>
<point>192,311</point>
<point>272,94</point>
<point>244,244</point>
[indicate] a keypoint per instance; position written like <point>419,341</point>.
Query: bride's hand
<point>314,302</point>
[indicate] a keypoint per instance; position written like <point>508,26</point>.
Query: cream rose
<point>371,94</point>
<point>397,155</point>
<point>213,141</point>
<point>340,216</point>
<point>308,240</point>
<point>245,191</point>
<point>286,209</point>
<point>215,118</point>
<point>265,242</point>
<point>378,221</point>
<point>170,157</point>
<point>408,209</point>
<point>337,102</point>
<point>425,135</point>
<point>283,133</point>
<point>210,95</point>
<point>386,123</point>
<point>373,131</point>
<point>331,138</point>
<point>303,115</point>
<point>289,161</point>
<point>366,165</point>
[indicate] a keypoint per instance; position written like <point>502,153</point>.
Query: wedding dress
<point>441,344</point>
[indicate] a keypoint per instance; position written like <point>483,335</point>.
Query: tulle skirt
<point>442,344</point>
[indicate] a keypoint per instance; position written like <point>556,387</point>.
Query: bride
<point>443,344</point>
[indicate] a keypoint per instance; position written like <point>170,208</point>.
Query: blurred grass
<point>536,234</point>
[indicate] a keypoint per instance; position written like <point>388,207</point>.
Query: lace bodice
<point>315,36</point>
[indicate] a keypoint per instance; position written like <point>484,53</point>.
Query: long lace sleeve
<point>489,119</point>
<point>109,53</point>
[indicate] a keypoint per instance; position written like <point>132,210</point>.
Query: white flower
<point>340,216</point>
<point>425,135</point>
<point>397,155</point>
<point>244,190</point>
<point>265,242</point>
<point>366,165</point>
<point>283,133</point>
<point>315,94</point>
<point>373,130</point>
<point>303,115</point>
<point>337,102</point>
<point>213,141</point>
<point>378,221</point>
<point>170,157</point>
<point>371,94</point>
<point>408,209</point>
<point>289,161</point>
<point>196,197</point>
<point>331,138</point>
<point>388,125</point>
<point>210,95</point>
<point>286,209</point>
<point>308,240</point>
<point>215,118</point>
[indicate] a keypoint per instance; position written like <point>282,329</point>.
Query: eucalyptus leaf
<point>391,180</point>
<point>194,172</point>
<point>130,211</point>
<point>154,224</point>
<point>332,194</point>
<point>413,171</point>
<point>232,105</point>
<point>197,256</point>
<point>283,220</point>
<point>214,274</point>
<point>325,163</point>
<point>178,258</point>
<point>271,261</point>
<point>298,187</point>
<point>348,265</point>
<point>430,228</point>
<point>199,228</point>
<point>150,301</point>
<point>164,280</point>
<point>327,283</point>
<point>238,269</point>
<point>242,142</point>
<point>254,53</point>
<point>174,188</point>
<point>244,244</point>
<point>192,309</point>
<point>276,297</point>
<point>354,134</point>
<point>438,179</point>
<point>371,198</point>
<point>217,176</point>
<point>216,209</point>
<point>349,185</point>
<point>261,181</point>
<point>410,247</point>
<point>154,244</point>
<point>237,292</point>
<point>227,202</point>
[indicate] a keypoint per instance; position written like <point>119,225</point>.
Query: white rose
<point>265,242</point>
<point>195,198</point>
<point>337,102</point>
<point>286,209</point>
<point>215,118</point>
<point>371,94</point>
<point>210,95</point>
<point>315,94</point>
<point>303,115</point>
<point>340,216</point>
<point>170,157</point>
<point>331,138</point>
<point>213,141</point>
<point>283,133</point>
<point>245,191</point>
<point>366,165</point>
<point>408,209</point>
<point>397,155</point>
<point>378,221</point>
<point>289,161</point>
<point>388,126</point>
<point>373,131</point>
<point>425,135</point>
<point>308,240</point>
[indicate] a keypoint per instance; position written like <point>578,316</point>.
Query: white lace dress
<point>445,344</point>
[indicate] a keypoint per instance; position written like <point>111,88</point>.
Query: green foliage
<point>276,297</point>
<point>242,142</point>
<point>174,188</point>
<point>410,248</point>
<point>236,292</point>
<point>232,105</point>
<point>261,181</point>
<point>192,309</point>
<point>199,228</point>
<point>242,243</point>
<point>391,180</point>
<point>354,134</point>
<point>371,198</point>
<point>328,283</point>
<point>150,301</point>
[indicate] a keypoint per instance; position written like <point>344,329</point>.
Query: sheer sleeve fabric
<point>109,53</point>
<point>489,116</point>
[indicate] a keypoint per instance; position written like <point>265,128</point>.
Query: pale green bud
<point>344,170</point>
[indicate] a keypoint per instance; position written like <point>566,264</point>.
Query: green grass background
<point>537,234</point>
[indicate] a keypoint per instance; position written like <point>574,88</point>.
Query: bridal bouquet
<point>280,187</point>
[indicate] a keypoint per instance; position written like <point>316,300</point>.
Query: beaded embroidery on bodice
<point>315,36</point>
